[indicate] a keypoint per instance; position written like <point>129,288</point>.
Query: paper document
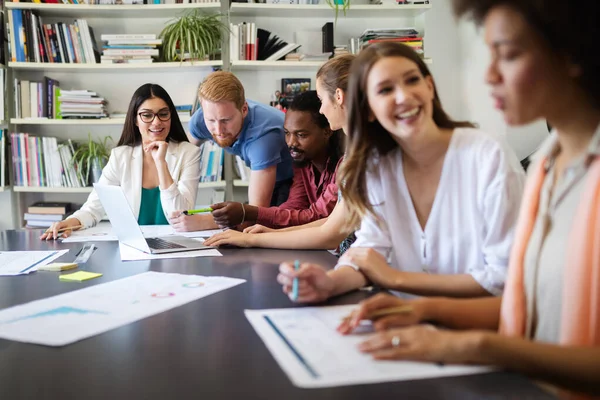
<point>305,343</point>
<point>25,262</point>
<point>69,317</point>
<point>131,254</point>
<point>103,232</point>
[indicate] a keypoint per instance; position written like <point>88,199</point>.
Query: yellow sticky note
<point>79,276</point>
<point>57,267</point>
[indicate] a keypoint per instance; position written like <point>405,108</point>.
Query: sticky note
<point>58,267</point>
<point>79,276</point>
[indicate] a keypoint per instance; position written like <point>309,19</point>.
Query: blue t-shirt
<point>261,143</point>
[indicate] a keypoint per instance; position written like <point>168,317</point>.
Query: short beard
<point>224,142</point>
<point>300,164</point>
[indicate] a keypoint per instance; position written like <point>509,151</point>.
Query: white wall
<point>478,106</point>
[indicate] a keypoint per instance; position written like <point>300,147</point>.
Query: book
<point>43,207</point>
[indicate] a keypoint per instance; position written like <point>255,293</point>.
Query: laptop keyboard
<point>159,244</point>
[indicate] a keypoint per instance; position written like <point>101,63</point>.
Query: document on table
<point>103,232</point>
<point>305,343</point>
<point>25,262</point>
<point>131,254</point>
<point>76,315</point>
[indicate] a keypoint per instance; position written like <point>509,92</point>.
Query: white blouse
<point>471,225</point>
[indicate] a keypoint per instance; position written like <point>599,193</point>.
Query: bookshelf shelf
<point>240,183</point>
<point>3,189</point>
<point>114,11</point>
<point>101,121</point>
<point>275,64</point>
<point>151,67</point>
<point>36,189</point>
<point>39,189</point>
<point>323,10</point>
<point>207,185</point>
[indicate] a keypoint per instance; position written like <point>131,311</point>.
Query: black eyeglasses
<point>147,116</point>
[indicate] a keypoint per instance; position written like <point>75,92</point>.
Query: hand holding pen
<point>386,311</point>
<point>312,282</point>
<point>61,229</point>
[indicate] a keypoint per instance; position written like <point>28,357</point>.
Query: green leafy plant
<point>344,5</point>
<point>192,35</point>
<point>89,155</point>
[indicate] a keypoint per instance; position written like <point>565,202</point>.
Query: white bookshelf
<point>108,11</point>
<point>240,183</point>
<point>4,189</point>
<point>43,189</point>
<point>236,65</point>
<point>320,10</point>
<point>100,121</point>
<point>212,185</point>
<point>80,67</point>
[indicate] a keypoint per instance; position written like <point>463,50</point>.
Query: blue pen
<point>295,281</point>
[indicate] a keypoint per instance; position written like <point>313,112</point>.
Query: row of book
<point>46,100</point>
<point>3,161</point>
<point>2,91</point>
<point>125,49</point>
<point>241,169</point>
<point>251,43</point>
<point>43,214</point>
<point>33,41</point>
<point>43,162</point>
<point>119,2</point>
<point>407,36</point>
<point>211,162</point>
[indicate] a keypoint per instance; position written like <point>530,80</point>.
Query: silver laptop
<point>128,231</point>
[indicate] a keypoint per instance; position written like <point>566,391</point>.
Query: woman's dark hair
<point>131,135</point>
<point>367,138</point>
<point>569,28</point>
<point>309,102</point>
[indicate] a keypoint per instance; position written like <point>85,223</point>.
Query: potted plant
<point>337,5</point>
<point>91,157</point>
<point>192,36</point>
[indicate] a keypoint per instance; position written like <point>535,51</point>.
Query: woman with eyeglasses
<point>153,162</point>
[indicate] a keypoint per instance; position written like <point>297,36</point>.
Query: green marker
<point>201,210</point>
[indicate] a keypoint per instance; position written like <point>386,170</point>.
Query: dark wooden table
<point>205,349</point>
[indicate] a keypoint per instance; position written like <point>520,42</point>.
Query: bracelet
<point>244,214</point>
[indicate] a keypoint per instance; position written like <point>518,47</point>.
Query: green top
<point>151,211</point>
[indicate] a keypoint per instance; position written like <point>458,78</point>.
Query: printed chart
<point>305,343</point>
<point>73,316</point>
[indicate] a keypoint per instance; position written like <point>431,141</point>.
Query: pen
<point>200,210</point>
<point>383,312</point>
<point>61,230</point>
<point>295,281</point>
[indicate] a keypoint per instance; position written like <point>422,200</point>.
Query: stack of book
<point>407,36</point>
<point>42,162</point>
<point>44,214</point>
<point>51,43</point>
<point>129,49</point>
<point>81,104</point>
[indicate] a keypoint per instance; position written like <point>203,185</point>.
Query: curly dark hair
<point>309,102</point>
<point>570,28</point>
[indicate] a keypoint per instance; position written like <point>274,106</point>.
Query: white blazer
<point>124,168</point>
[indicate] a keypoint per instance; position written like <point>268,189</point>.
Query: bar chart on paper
<point>305,343</point>
<point>69,317</point>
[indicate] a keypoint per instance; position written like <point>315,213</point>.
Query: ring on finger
<point>395,341</point>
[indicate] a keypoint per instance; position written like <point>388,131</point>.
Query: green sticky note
<point>79,276</point>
